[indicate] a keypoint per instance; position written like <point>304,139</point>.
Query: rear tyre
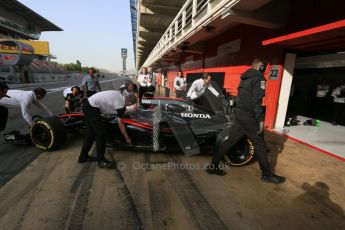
<point>241,153</point>
<point>48,133</point>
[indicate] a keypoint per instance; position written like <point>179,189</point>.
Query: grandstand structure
<point>21,27</point>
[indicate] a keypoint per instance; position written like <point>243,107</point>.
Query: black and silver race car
<point>161,124</point>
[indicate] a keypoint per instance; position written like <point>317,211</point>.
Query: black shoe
<point>273,179</point>
<point>334,123</point>
<point>106,164</point>
<point>212,169</point>
<point>86,159</point>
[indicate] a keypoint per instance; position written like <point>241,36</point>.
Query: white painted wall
<point>289,65</point>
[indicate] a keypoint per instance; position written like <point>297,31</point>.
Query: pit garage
<point>313,89</point>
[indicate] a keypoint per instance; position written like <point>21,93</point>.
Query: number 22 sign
<point>274,72</point>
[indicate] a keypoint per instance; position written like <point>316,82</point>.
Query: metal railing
<point>193,16</point>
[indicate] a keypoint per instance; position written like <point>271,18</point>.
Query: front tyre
<point>241,153</point>
<point>48,133</point>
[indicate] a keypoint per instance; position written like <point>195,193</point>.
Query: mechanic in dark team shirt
<point>3,110</point>
<point>105,102</point>
<point>73,98</point>
<point>249,121</point>
<point>129,87</point>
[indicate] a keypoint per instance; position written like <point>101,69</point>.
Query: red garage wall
<point>233,65</point>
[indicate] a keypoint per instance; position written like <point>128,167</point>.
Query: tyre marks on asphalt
<point>173,199</point>
<point>81,190</point>
<point>202,213</point>
<point>160,205</point>
<point>133,218</point>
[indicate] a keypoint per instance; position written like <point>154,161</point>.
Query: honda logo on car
<point>196,115</point>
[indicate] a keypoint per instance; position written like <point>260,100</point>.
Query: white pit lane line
<point>59,89</point>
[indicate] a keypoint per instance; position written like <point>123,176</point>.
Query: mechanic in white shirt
<point>105,102</point>
<point>199,86</point>
<point>153,76</point>
<point>180,84</point>
<point>321,100</point>
<point>24,99</point>
<point>322,90</point>
<point>3,110</point>
<point>338,95</point>
<point>144,81</point>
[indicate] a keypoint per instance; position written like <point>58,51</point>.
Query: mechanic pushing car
<point>249,121</point>
<point>73,98</point>
<point>105,102</point>
<point>199,86</point>
<point>3,110</point>
<point>24,99</point>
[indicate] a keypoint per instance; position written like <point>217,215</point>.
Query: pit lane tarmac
<point>165,191</point>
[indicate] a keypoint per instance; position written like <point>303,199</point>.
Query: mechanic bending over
<point>199,86</point>
<point>249,121</point>
<point>129,87</point>
<point>106,102</point>
<point>73,98</point>
<point>24,99</point>
<point>3,110</point>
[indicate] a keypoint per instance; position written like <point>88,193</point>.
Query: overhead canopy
<point>328,37</point>
<point>30,15</point>
<point>15,53</point>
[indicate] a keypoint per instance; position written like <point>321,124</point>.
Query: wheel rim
<point>241,153</point>
<point>41,136</point>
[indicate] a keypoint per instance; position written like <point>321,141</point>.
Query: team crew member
<point>321,99</point>
<point>180,84</point>
<point>3,110</point>
<point>144,81</point>
<point>199,86</point>
<point>90,83</point>
<point>153,77</point>
<point>73,98</point>
<point>249,120</point>
<point>338,95</point>
<point>24,99</point>
<point>106,102</point>
<point>129,87</point>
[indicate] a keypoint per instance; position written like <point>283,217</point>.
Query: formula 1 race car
<point>161,124</point>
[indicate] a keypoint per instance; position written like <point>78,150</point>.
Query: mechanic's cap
<point>3,86</point>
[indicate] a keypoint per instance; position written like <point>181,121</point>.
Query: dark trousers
<point>3,117</point>
<point>319,107</point>
<point>95,130</point>
<point>180,93</point>
<point>245,124</point>
<point>142,90</point>
<point>338,109</point>
<point>90,93</point>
